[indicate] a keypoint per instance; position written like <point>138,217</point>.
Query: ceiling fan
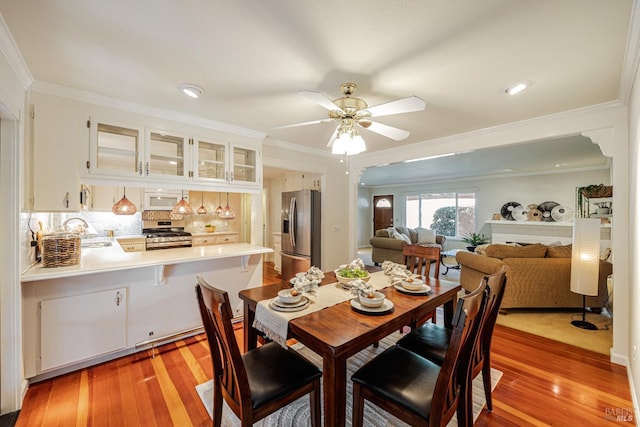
<point>351,112</point>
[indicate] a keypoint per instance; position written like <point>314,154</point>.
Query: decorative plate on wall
<point>507,210</point>
<point>562,213</point>
<point>546,208</point>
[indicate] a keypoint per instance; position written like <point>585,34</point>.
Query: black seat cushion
<point>274,372</point>
<point>429,340</point>
<point>401,376</point>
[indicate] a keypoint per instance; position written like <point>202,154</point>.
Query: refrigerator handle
<point>292,224</point>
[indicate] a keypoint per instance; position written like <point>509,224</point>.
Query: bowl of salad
<point>346,275</point>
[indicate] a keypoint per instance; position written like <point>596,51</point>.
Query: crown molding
<point>284,145</point>
<point>631,56</point>
<point>120,104</point>
<point>10,50</point>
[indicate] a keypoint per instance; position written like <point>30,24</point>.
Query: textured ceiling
<point>253,56</point>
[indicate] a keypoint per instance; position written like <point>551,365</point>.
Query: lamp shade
<point>585,256</point>
<point>124,206</point>
<point>182,207</point>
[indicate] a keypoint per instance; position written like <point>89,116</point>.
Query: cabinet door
<point>226,238</point>
<point>65,340</point>
<point>202,240</point>
<point>244,165</point>
<point>167,156</point>
<point>103,197</point>
<point>210,160</point>
<point>115,149</point>
<point>56,184</point>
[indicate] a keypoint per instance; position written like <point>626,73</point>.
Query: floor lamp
<point>585,263</point>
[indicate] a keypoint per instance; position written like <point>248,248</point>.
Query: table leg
<point>250,334</point>
<point>334,377</point>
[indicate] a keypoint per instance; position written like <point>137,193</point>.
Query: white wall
<point>493,193</point>
<point>365,216</point>
<point>634,241</point>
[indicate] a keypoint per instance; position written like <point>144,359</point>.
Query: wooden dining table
<point>338,332</point>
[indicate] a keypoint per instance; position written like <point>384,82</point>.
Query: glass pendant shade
<point>348,143</point>
<point>182,207</point>
<point>227,212</point>
<point>202,210</point>
<point>124,206</point>
<point>219,209</point>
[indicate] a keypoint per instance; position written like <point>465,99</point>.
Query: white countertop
<point>111,258</point>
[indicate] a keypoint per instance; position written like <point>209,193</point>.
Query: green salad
<point>352,273</point>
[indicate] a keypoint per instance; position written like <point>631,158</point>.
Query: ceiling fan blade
<point>303,124</point>
<point>333,137</point>
<point>388,131</point>
<point>403,105</point>
<point>320,99</point>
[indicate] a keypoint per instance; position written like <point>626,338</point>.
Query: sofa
<point>538,276</point>
<point>385,247</point>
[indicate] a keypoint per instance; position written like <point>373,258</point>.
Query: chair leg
<point>217,404</point>
<point>316,412</point>
<point>486,380</point>
<point>358,407</point>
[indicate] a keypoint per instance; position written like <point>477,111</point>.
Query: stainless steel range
<point>163,231</point>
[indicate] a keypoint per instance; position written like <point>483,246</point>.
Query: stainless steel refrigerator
<point>300,232</point>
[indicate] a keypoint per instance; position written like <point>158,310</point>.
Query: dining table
<point>339,332</point>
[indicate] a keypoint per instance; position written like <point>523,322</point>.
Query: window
<point>450,214</point>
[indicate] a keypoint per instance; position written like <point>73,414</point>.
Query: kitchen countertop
<point>111,258</point>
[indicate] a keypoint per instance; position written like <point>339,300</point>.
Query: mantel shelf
<point>535,223</point>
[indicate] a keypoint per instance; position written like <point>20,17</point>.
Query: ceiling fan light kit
<point>351,112</point>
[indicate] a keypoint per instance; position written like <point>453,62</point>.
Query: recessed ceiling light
<point>191,90</point>
<point>516,88</point>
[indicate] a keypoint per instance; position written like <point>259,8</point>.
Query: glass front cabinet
<point>122,150</point>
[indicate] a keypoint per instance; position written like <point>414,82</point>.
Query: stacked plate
<point>278,305</point>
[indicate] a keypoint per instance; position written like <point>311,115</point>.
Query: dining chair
<point>418,260</point>
<point>259,382</point>
<point>415,389</point>
<point>432,341</point>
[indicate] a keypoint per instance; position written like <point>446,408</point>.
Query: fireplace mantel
<point>539,232</point>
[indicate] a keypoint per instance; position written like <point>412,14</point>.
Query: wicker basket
<point>61,249</point>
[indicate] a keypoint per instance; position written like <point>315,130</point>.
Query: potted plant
<point>475,239</point>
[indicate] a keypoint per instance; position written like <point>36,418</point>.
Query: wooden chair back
<point>418,259</point>
<point>229,373</point>
<point>448,395</point>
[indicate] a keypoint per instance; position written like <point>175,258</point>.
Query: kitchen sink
<point>96,244</point>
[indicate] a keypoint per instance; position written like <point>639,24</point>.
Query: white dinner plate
<point>424,289</point>
<point>386,307</point>
<point>303,300</point>
<point>279,306</point>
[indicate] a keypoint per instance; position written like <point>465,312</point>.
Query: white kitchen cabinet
<point>215,239</point>
<point>167,156</point>
<point>202,240</point>
<point>277,247</point>
<point>302,181</point>
<point>80,327</point>
<point>103,197</point>
<point>115,149</point>
<point>133,244</point>
<point>226,238</point>
<point>225,162</point>
<point>56,183</point>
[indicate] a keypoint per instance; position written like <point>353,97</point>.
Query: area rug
<point>297,413</point>
<point>556,325</point>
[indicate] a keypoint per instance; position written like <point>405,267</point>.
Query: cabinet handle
<point>140,168</point>
<point>226,175</point>
<point>231,176</point>
<point>66,200</point>
<point>118,299</point>
<point>147,169</point>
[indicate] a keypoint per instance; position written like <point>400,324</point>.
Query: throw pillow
<point>401,236</point>
<point>504,251</point>
<point>426,236</point>
<point>559,251</point>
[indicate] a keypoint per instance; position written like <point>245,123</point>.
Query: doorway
<point>382,212</point>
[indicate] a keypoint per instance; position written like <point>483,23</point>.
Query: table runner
<point>275,324</point>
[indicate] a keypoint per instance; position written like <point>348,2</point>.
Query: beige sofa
<point>538,276</point>
<point>386,248</point>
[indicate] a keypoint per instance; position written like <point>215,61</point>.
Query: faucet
<point>83,229</point>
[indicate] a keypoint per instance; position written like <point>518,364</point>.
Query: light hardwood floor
<point>544,382</point>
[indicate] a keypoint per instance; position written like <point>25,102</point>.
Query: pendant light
<point>182,207</point>
<point>228,213</point>
<point>124,206</point>
<point>202,210</point>
<point>219,209</point>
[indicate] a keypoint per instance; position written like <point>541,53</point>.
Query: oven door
<point>162,201</point>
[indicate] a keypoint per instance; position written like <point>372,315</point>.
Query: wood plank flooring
<point>544,382</point>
